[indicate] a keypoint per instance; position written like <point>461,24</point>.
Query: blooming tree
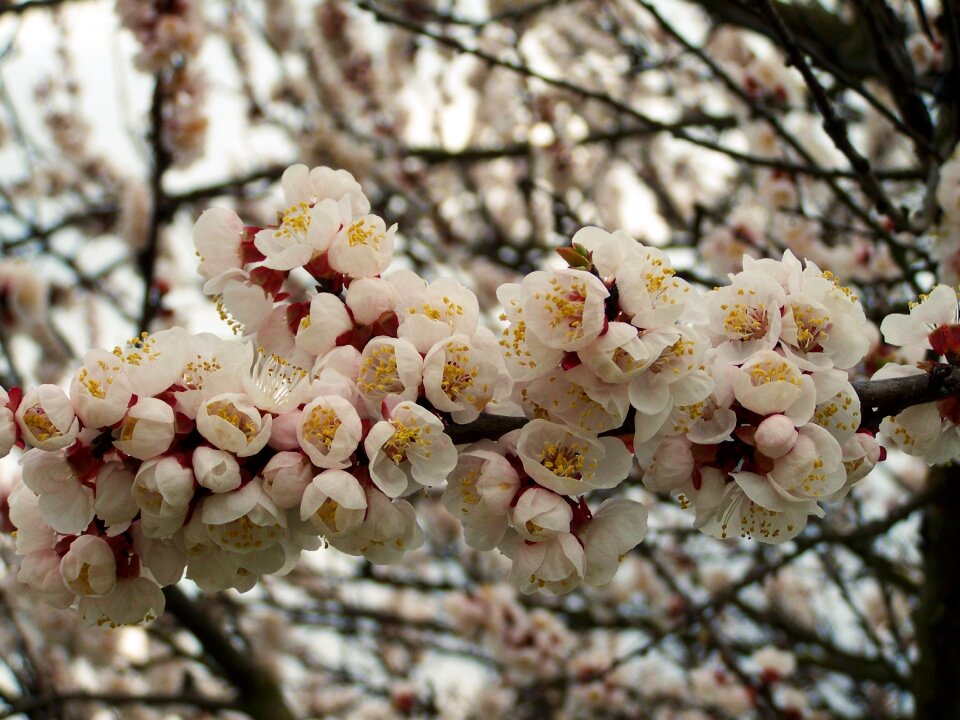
<point>668,470</point>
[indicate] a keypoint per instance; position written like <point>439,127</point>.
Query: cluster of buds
<point>224,459</point>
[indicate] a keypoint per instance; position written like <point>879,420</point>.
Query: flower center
<point>294,222</point>
<point>562,460</point>
<point>362,234</point>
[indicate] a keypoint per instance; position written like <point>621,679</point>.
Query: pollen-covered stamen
<point>675,357</point>
<point>746,322</point>
<point>687,415</point>
<point>625,361</point>
<point>275,377</point>
<point>565,305</point>
<point>196,371</point>
<point>129,425</point>
<point>814,482</point>
<point>236,327</point>
<point>321,426</point>
<point>659,279</point>
<point>362,234</point>
<point>98,387</point>
<point>139,349</point>
<point>459,377</point>
<point>563,460</point>
<point>294,222</point>
<point>514,339</point>
<point>327,513</point>
<point>468,490</point>
<point>229,412</point>
<point>243,535</point>
<point>812,329</point>
<point>397,447</point>
<point>851,296</point>
<point>378,373</point>
<point>82,584</point>
<point>40,424</point>
<point>768,371</point>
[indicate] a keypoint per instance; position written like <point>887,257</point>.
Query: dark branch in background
<point>833,43</point>
<point>18,8</point>
<point>147,260</point>
<point>834,126</point>
<point>522,149</point>
<point>896,69</point>
<point>31,705</point>
<point>258,693</point>
<point>898,250</point>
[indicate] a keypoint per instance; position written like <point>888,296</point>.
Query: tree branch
<point>259,694</point>
<point>30,705</point>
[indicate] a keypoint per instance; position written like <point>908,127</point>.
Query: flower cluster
<point>775,430</point>
<point>223,460</point>
<point>740,399</point>
<point>929,430</point>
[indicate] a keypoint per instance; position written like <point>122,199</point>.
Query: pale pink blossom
<point>362,248</point>
<point>147,430</point>
<point>460,376</point>
<point>133,601</point>
<point>216,470</point>
<point>163,489</point>
<point>557,564</point>
<point>368,298</point>
<point>217,236</point>
<point>286,477</point>
<point>540,514</point>
<point>65,503</point>
<point>100,390</point>
<point>937,308</point>
<point>388,367</point>
<point>89,567</point>
<point>564,309</point>
<point>328,319</point>
<point>231,422</point>
<point>115,503</point>
<point>329,431</point>
<point>311,185</point>
<point>568,463</point>
<point>408,449</point>
<point>244,520</point>
<point>334,503</point>
<point>617,526</point>
<point>441,309</point>
<point>479,492</point>
<point>46,418</point>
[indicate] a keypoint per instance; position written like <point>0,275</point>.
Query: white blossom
<point>568,463</point>
<point>46,418</point>
<point>408,449</point>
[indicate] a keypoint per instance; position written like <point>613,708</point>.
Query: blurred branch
<point>147,259</point>
<point>831,41</point>
<point>31,705</point>
<point>835,127</point>
<point>259,694</point>
<point>10,8</point>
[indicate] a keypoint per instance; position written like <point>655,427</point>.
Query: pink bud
<point>283,434</point>
<point>775,436</point>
